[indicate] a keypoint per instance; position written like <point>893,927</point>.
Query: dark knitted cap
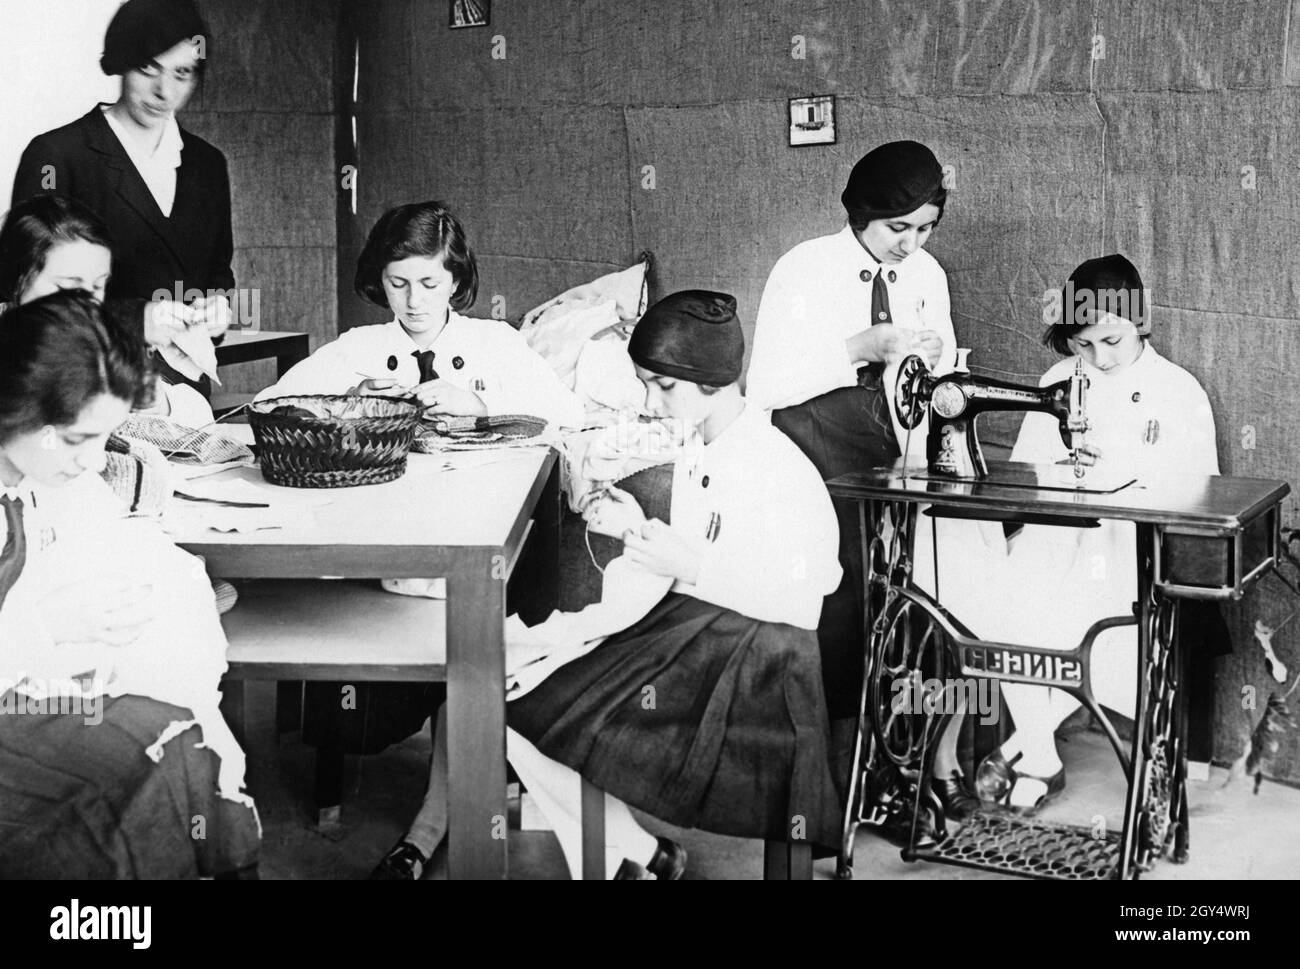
<point>893,180</point>
<point>143,29</point>
<point>692,335</point>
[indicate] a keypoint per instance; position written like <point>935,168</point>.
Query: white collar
<point>396,326</point>
<point>855,254</point>
<point>167,153</point>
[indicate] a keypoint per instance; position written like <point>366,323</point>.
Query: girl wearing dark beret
<point>692,690</point>
<point>834,312</point>
<point>1149,419</point>
<point>163,192</point>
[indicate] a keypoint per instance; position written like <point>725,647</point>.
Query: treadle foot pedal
<point>1027,847</point>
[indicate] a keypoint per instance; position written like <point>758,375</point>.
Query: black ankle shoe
<point>667,865</point>
<point>957,800</point>
<point>404,863</point>
<point>669,861</point>
<point>897,828</point>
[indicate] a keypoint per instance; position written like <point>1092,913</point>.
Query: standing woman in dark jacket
<point>163,192</point>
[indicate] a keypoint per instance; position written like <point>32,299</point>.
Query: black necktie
<point>869,376</point>
<point>424,358</point>
<point>15,551</point>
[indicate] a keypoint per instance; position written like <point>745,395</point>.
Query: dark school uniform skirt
<point>699,716</point>
<point>845,430</point>
<point>83,800</point>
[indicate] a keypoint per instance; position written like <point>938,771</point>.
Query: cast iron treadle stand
<point>909,635</point>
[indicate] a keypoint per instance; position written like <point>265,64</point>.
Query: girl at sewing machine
<point>417,264</point>
<point>109,637</point>
<point>1149,418</point>
<point>49,243</point>
<point>692,689</point>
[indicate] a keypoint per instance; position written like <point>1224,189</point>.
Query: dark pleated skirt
<point>845,430</point>
<point>699,716</point>
<point>84,801</point>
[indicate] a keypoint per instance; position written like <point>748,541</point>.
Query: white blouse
<point>487,357</point>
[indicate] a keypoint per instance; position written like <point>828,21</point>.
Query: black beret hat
<point>691,335</point>
<point>143,29</point>
<point>892,180</point>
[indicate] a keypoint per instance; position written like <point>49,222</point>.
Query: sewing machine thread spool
<point>962,366</point>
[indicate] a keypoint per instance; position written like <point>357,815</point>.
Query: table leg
<point>593,832</point>
<point>476,720</point>
<point>787,861</point>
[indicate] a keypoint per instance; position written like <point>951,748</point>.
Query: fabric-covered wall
<point>572,135</point>
<point>268,104</point>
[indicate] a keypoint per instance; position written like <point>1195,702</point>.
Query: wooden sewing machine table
<point>1197,537</point>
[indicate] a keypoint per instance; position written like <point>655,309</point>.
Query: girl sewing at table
<point>692,690</point>
<point>1149,418</point>
<point>109,638</point>
<point>418,264</point>
<point>49,243</point>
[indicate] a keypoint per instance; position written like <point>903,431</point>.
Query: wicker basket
<point>358,441</point>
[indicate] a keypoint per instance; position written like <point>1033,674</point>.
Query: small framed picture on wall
<point>812,120</point>
<point>470,13</point>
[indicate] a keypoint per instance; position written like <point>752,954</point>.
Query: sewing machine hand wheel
<point>909,403</point>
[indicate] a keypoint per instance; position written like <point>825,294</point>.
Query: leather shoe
<point>403,863</point>
<point>669,861</point>
<point>897,828</point>
<point>667,865</point>
<point>958,802</point>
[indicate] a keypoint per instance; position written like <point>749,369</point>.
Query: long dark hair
<point>57,354</point>
<point>35,226</point>
<point>418,229</point>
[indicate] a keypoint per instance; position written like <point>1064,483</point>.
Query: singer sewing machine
<point>955,402</point>
<point>1196,537</point>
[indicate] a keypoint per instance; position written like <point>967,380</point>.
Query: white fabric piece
<point>79,532</point>
<point>185,405</point>
<point>559,334</point>
<point>627,594</point>
<point>605,379</point>
<point>626,288</point>
<point>815,299</point>
<point>420,588</point>
<point>192,354</point>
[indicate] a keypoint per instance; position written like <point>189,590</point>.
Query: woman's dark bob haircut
<point>1109,284</point>
<point>57,354</point>
<point>35,226</point>
<point>418,229</point>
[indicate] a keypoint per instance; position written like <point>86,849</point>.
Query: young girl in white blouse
<point>1149,418</point>
<point>418,264</point>
<point>692,690</point>
<point>103,611</point>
